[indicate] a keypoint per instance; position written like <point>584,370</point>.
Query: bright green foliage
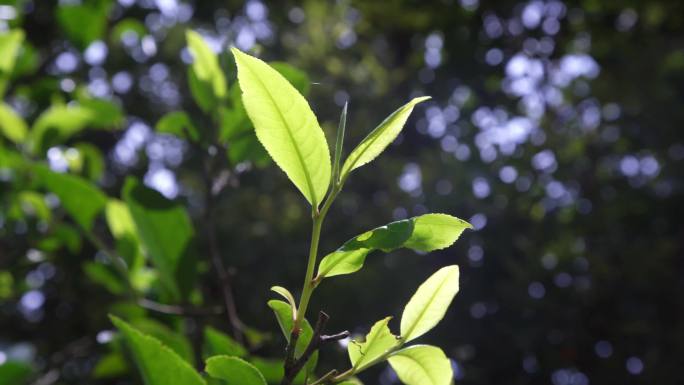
<point>234,370</point>
<point>166,235</point>
<point>289,297</point>
<point>158,364</point>
<point>283,313</point>
<point>82,200</point>
<point>33,203</point>
<point>178,123</point>
<point>422,365</point>
<point>381,137</point>
<point>423,233</point>
<point>14,373</point>
<point>57,124</point>
<point>10,47</point>
<point>60,122</point>
<point>218,343</point>
<point>378,341</point>
<point>12,126</point>
<point>285,126</point>
<point>123,229</point>
<point>429,304</point>
<point>208,84</point>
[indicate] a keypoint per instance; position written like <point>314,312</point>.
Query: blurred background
<point>555,128</point>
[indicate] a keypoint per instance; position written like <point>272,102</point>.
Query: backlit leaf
<point>80,198</point>
<point>285,125</point>
<point>158,364</point>
<point>381,137</point>
<point>217,342</point>
<point>234,370</point>
<point>12,126</point>
<point>422,365</point>
<point>378,341</point>
<point>429,304</point>
<point>207,73</point>
<point>423,233</point>
<point>166,234</point>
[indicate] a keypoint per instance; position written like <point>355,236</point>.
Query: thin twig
<point>217,261</point>
<point>317,340</point>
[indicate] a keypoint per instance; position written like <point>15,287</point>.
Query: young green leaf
<point>283,313</point>
<point>206,71</point>
<point>423,233</point>
<point>10,44</point>
<point>381,137</point>
<point>166,234</point>
<point>81,199</point>
<point>378,341</point>
<point>234,370</point>
<point>218,343</point>
<point>56,124</point>
<point>178,124</point>
<point>422,365</point>
<point>122,227</point>
<point>285,125</point>
<point>429,304</point>
<point>339,144</point>
<point>12,126</point>
<point>158,364</point>
<point>289,297</point>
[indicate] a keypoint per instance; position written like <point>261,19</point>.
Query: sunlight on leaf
<point>422,365</point>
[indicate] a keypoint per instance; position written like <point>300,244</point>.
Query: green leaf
<point>423,233</point>
<point>234,370</point>
<point>429,304</point>
<point>176,341</point>
<point>158,364</point>
<point>339,144</point>
<point>111,365</point>
<point>85,23</point>
<point>34,204</point>
<point>218,343</point>
<point>12,125</point>
<point>285,125</point>
<point>81,199</point>
<point>166,235</point>
<point>92,163</point>
<point>14,373</point>
<point>381,137</point>
<point>123,230</point>
<point>56,124</point>
<point>10,45</point>
<point>104,113</point>
<point>178,123</point>
<point>289,297</point>
<point>105,276</point>
<point>378,341</point>
<point>422,365</point>
<point>207,75</point>
<point>283,313</point>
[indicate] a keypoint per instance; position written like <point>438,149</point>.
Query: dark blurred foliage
<point>555,128</point>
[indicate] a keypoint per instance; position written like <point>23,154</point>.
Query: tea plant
<point>154,254</point>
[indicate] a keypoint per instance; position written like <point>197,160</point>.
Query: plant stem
<point>308,287</point>
<point>309,284</point>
